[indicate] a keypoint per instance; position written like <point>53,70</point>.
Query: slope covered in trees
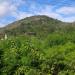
<point>41,25</point>
<point>51,51</point>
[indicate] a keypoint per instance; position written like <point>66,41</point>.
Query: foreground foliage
<point>25,55</point>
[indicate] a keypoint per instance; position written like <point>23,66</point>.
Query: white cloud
<point>69,19</point>
<point>66,10</point>
<point>2,24</point>
<point>21,15</point>
<point>4,7</point>
<point>47,10</point>
<point>9,7</point>
<point>18,2</point>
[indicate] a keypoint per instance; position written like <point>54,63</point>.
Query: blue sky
<point>12,10</point>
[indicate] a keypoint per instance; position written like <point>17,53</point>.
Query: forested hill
<point>51,51</point>
<point>40,25</point>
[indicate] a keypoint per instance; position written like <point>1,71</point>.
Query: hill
<point>25,55</point>
<point>41,25</point>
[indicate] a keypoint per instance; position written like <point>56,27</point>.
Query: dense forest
<point>38,45</point>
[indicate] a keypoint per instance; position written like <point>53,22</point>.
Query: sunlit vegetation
<point>24,55</point>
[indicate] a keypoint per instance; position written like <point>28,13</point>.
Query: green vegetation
<point>24,55</point>
<point>51,51</point>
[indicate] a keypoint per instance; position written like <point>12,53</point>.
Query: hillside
<point>51,54</point>
<point>41,25</point>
